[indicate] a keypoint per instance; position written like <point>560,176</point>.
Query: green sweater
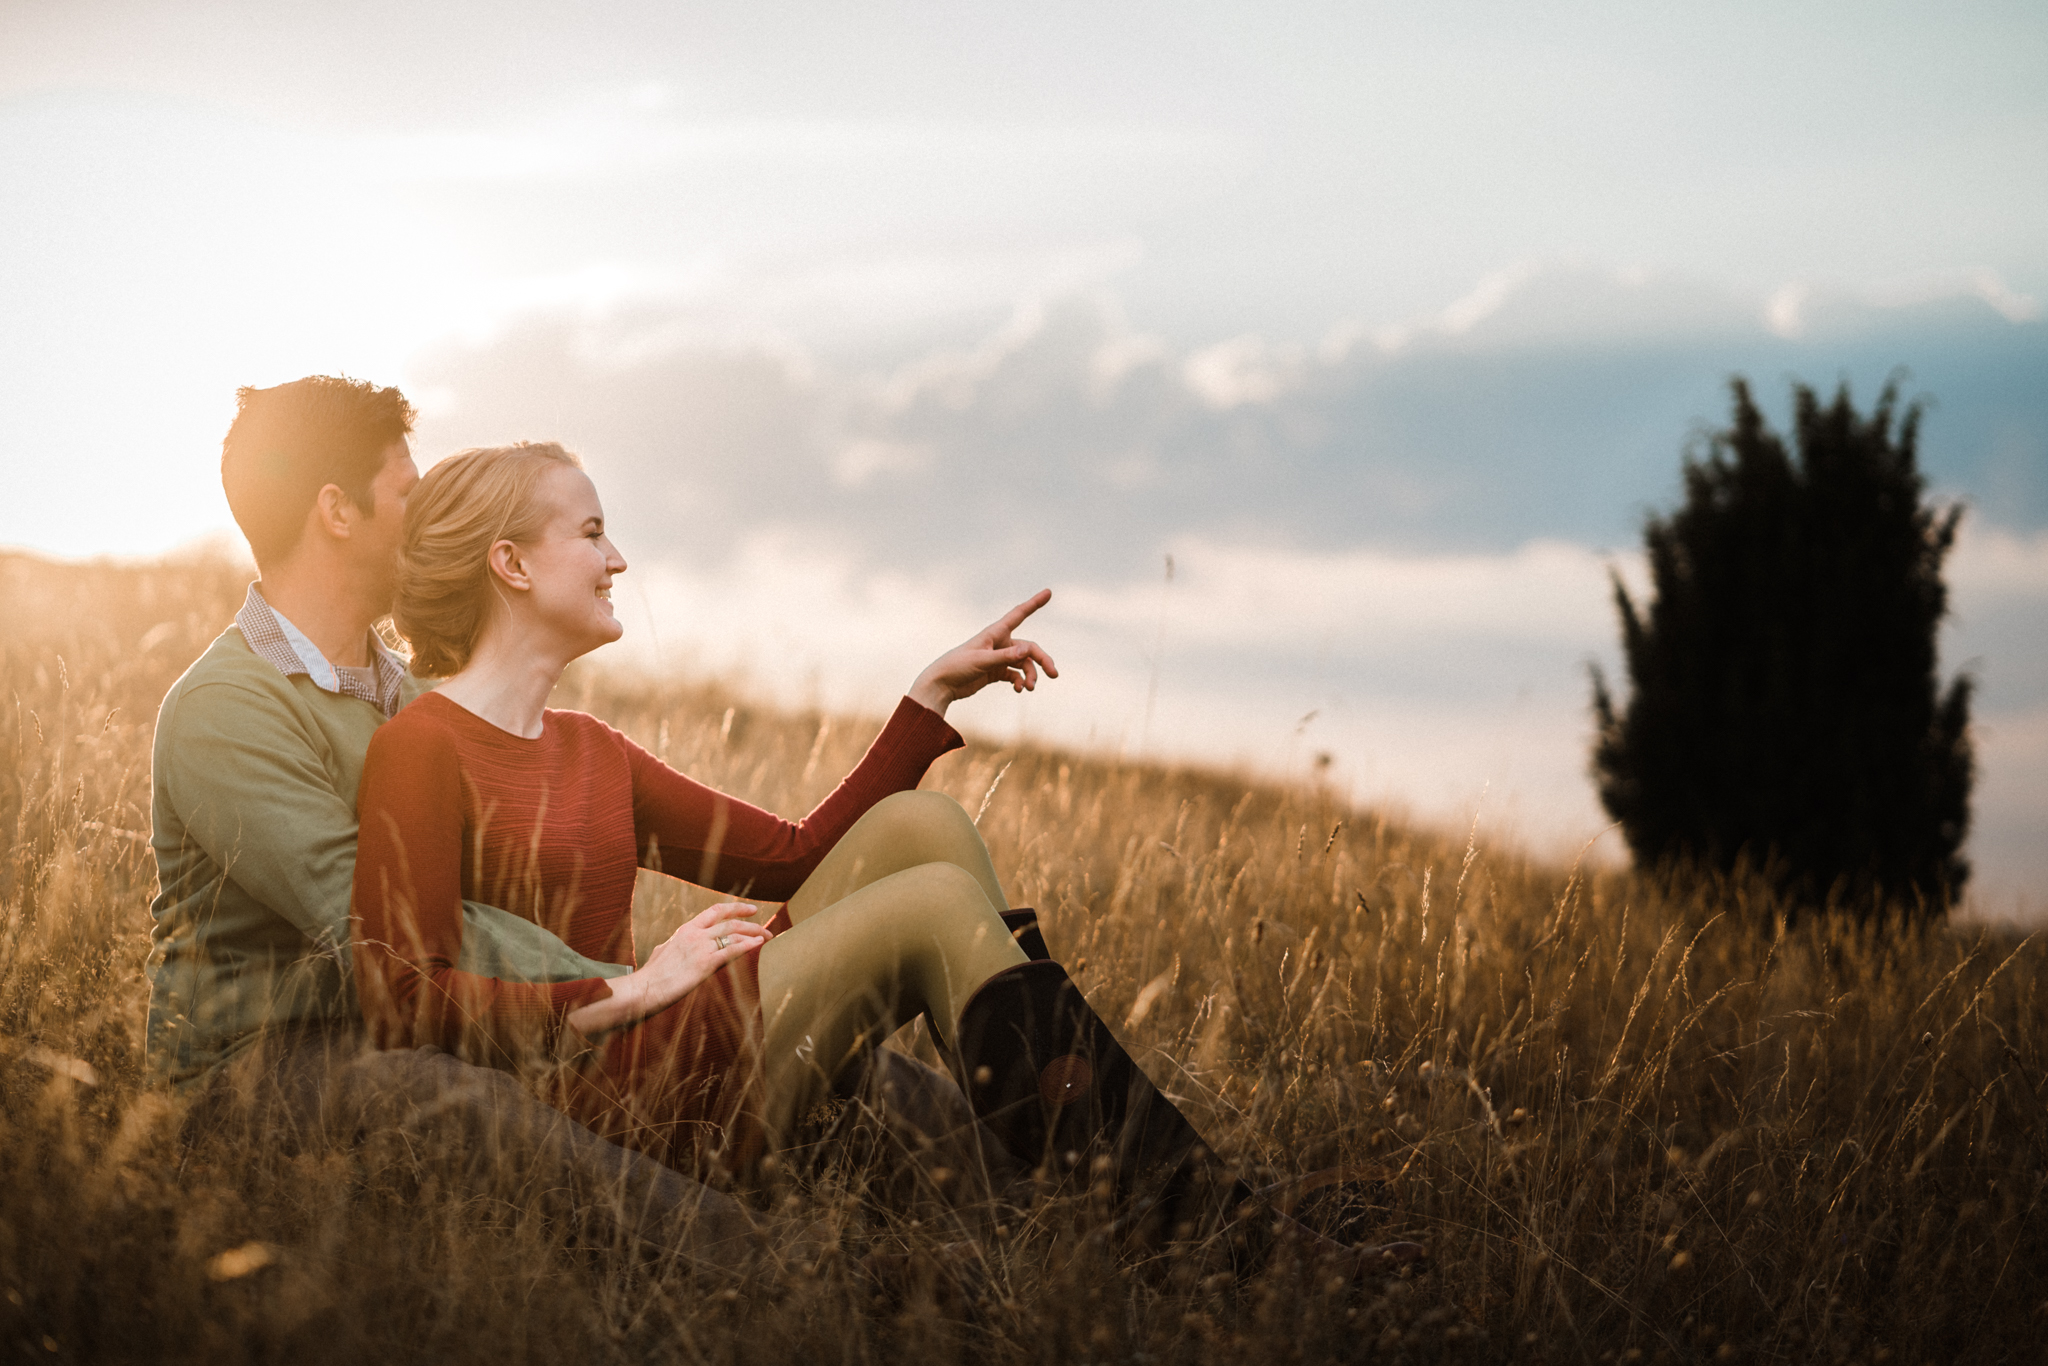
<point>253,807</point>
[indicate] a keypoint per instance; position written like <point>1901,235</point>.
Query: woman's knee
<point>938,889</point>
<point>929,822</point>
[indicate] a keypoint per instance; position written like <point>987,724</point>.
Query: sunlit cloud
<point>1990,559</point>
<point>1248,657</point>
<point>1796,308</point>
<point>859,461</point>
<point>1257,597</point>
<point>1242,370</point>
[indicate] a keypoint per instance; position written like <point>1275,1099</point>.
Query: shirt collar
<point>285,648</point>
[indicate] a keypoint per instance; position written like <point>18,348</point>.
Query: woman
<point>732,1028</point>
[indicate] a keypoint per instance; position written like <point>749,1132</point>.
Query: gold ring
<point>722,941</point>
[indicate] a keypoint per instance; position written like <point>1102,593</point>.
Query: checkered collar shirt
<point>285,648</point>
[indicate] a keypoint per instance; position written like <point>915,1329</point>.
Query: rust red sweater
<point>552,829</point>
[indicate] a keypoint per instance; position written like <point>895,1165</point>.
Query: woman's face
<point>570,565</point>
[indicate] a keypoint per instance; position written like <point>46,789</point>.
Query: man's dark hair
<point>292,440</point>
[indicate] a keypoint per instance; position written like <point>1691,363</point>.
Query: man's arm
<point>253,794</point>
<point>500,944</point>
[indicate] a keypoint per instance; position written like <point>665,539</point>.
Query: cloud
<point>1255,597</point>
<point>1065,436</point>
<point>1993,562</point>
<point>1998,617</point>
<point>1538,303</point>
<point>2006,848</point>
<point>1802,309</point>
<point>1242,370</point>
<point>1399,557</point>
<point>1454,685</point>
<point>861,460</point>
<point>1487,299</point>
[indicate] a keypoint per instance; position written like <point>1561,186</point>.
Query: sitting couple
<point>458,865</point>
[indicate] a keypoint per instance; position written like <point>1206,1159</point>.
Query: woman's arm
<point>406,915</point>
<point>703,836</point>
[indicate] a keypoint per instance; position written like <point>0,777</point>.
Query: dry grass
<point>1635,1121</point>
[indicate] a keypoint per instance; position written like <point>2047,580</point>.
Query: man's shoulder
<point>232,692</point>
<point>228,697</point>
<point>227,663</point>
<point>229,674</point>
<point>228,656</point>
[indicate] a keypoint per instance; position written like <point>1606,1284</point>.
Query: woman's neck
<point>507,683</point>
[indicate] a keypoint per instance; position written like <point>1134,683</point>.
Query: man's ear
<point>334,512</point>
<point>508,566</point>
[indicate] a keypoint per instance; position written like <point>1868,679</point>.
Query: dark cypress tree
<point>1786,712</point>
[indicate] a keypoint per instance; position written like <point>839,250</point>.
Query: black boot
<point>1044,1073</point>
<point>1046,1076</point>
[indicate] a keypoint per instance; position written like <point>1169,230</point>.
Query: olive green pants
<point>903,917</point>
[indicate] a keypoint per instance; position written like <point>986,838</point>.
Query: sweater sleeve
<point>407,916</point>
<point>703,836</point>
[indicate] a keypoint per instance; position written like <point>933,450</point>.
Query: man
<point>258,750</point>
<point>259,746</point>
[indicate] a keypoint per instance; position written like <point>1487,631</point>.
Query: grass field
<point>1634,1121</point>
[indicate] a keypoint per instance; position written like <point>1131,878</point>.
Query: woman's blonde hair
<point>464,506</point>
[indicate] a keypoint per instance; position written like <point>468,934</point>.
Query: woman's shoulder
<point>425,725</point>
<point>583,742</point>
<point>581,729</point>
<point>564,722</point>
<point>428,712</point>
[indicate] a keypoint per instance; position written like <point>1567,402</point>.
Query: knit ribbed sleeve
<point>701,835</point>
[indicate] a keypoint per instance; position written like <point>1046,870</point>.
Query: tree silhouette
<point>1786,714</point>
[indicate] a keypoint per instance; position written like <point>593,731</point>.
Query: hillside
<point>1633,1120</point>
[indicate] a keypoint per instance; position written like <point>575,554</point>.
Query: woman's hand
<point>698,948</point>
<point>990,656</point>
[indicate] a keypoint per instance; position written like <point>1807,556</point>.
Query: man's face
<point>376,537</point>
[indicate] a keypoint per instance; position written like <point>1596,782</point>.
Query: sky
<point>1384,326</point>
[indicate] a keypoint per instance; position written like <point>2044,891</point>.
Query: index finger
<point>1014,618</point>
